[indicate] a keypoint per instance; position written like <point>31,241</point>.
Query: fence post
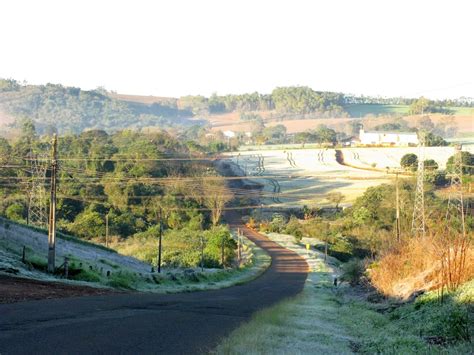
<point>66,267</point>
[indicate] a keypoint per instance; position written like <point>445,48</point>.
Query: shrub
<point>293,227</point>
<point>352,271</point>
<point>16,212</point>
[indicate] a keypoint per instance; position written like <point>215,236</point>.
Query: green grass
<point>464,111</point>
<point>360,110</point>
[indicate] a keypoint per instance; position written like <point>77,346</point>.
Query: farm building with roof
<point>377,138</point>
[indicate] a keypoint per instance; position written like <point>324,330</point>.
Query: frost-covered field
<point>293,178</point>
<point>390,157</point>
<point>298,177</point>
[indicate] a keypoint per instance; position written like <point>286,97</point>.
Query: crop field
<point>360,110</point>
<point>294,178</point>
<point>297,177</point>
<point>383,158</point>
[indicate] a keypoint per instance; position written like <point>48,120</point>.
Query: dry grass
<point>416,266</point>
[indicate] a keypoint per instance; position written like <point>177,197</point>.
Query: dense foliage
<point>135,179</point>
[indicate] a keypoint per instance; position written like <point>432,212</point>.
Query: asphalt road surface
<point>186,323</point>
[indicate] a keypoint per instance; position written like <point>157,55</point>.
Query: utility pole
<point>160,236</point>
<point>418,225</point>
<point>239,251</point>
<point>107,230</point>
<point>52,207</point>
<point>456,201</point>
<point>202,253</point>
<point>222,251</point>
<point>397,198</point>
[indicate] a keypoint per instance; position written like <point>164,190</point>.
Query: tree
<point>433,140</point>
<point>335,197</point>
<point>409,161</point>
<point>214,195</point>
<point>467,160</point>
<point>88,224</point>
<point>275,134</point>
<point>419,106</point>
<point>431,164</point>
<point>325,134</point>
<point>219,246</point>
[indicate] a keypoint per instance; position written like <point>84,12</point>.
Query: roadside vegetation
<point>407,295</point>
<point>100,269</point>
<point>354,318</point>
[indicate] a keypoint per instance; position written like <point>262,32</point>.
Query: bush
<point>293,227</point>
<point>16,212</point>
<point>277,224</point>
<point>352,271</point>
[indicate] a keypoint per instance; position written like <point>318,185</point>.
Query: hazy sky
<point>178,47</point>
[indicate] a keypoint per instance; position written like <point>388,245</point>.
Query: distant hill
<point>68,109</point>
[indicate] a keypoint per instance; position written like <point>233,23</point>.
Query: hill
<point>58,108</point>
<point>69,109</point>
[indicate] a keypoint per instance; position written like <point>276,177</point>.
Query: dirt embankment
<point>16,289</point>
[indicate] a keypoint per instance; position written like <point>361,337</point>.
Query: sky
<point>181,47</point>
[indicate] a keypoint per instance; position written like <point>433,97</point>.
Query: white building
<point>400,139</point>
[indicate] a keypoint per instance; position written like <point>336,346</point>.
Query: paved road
<point>184,323</point>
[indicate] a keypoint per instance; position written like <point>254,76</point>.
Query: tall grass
<point>422,264</point>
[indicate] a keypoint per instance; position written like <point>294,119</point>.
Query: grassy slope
<point>325,320</point>
<point>175,280</point>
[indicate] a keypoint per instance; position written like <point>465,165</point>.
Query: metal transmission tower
<point>455,214</point>
<point>37,204</point>
<point>418,225</point>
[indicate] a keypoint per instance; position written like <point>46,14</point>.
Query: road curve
<point>185,323</point>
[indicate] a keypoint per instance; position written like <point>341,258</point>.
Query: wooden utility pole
<point>107,230</point>
<point>202,253</point>
<point>239,251</point>
<point>52,208</point>
<point>397,194</point>
<point>160,236</point>
<point>222,251</point>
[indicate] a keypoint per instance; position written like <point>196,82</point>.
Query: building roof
<point>385,132</point>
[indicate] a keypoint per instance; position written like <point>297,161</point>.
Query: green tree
<point>409,161</point>
<point>88,224</point>
<point>419,106</point>
<point>467,160</point>
<point>220,247</point>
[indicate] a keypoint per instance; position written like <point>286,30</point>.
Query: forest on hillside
<point>56,108</point>
<point>135,179</point>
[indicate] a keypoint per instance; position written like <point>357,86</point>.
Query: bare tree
<point>335,197</point>
<point>215,194</point>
